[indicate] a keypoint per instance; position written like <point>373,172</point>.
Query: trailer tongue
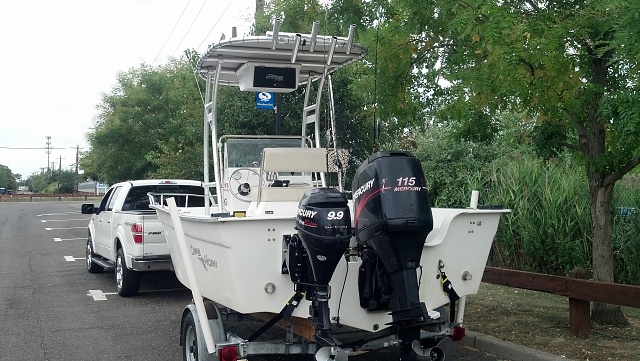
<point>373,271</point>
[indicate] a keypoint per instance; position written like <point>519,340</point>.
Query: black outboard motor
<point>324,227</point>
<point>392,220</point>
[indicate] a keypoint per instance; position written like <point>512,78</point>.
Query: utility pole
<point>59,173</point>
<point>76,175</point>
<point>48,151</point>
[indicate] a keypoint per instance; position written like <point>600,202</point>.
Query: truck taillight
<point>228,353</point>
<point>136,230</point>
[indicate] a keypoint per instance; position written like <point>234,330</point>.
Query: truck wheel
<point>128,281</point>
<point>91,266</point>
<point>189,339</point>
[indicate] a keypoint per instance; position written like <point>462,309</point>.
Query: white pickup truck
<point>126,235</point>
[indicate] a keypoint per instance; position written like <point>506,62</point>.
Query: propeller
<point>329,353</point>
<point>436,353</point>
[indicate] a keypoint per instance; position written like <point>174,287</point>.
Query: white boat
<point>384,265</point>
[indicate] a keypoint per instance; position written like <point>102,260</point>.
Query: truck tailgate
<point>154,242</point>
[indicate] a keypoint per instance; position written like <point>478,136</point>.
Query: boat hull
<point>238,262</point>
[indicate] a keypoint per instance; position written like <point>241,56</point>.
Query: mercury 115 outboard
<point>392,220</point>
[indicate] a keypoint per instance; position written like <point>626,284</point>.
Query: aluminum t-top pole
<point>205,140</point>
<point>214,134</point>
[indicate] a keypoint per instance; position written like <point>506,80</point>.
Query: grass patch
<point>541,321</point>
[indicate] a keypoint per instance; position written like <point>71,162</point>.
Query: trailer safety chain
<point>448,290</point>
<point>286,312</point>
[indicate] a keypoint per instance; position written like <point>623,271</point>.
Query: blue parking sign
<point>264,100</point>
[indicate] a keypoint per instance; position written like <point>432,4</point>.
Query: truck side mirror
<point>88,208</point>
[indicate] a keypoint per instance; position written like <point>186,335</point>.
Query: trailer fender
<point>215,323</point>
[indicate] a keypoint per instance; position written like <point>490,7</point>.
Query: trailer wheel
<point>92,267</point>
<point>189,339</point>
<point>127,281</point>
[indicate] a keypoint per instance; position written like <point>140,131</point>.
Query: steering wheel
<point>242,182</point>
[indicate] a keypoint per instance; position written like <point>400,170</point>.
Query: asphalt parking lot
<point>52,309</point>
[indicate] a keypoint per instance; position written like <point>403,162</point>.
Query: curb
<point>507,349</point>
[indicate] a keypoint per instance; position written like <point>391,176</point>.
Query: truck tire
<point>127,281</point>
<point>92,267</point>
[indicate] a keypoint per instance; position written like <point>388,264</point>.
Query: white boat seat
<point>283,194</point>
<point>305,160</point>
<point>294,160</point>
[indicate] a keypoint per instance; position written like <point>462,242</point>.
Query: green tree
<point>354,121</point>
<point>54,182</point>
<point>149,125</point>
<point>571,63</point>
<point>7,178</point>
<point>37,183</point>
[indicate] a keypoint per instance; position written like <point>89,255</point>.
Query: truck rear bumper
<point>146,264</point>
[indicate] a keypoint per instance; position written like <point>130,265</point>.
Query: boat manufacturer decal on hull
<point>203,258</point>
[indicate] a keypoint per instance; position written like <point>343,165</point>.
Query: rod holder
<point>314,35</point>
<point>276,30</point>
<point>352,32</point>
<point>296,47</point>
<point>334,42</point>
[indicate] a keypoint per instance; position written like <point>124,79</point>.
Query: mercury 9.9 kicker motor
<point>392,220</point>
<point>324,228</point>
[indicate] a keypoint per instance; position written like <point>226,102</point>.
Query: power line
<point>193,22</point>
<point>214,25</point>
<point>198,48</point>
<point>172,30</point>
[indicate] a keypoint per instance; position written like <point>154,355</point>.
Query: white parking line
<point>63,220</point>
<point>51,229</point>
<point>68,239</point>
<point>98,295</point>
<point>56,214</point>
<point>72,259</point>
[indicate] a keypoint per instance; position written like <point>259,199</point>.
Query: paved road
<point>52,309</point>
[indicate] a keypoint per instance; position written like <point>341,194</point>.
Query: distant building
<point>93,187</point>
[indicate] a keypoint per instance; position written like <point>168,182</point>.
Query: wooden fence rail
<point>576,287</point>
<point>39,196</point>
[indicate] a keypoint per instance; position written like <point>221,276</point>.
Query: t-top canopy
<point>304,55</point>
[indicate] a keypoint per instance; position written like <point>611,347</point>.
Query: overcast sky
<point>58,56</point>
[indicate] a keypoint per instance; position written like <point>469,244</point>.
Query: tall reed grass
<point>549,229</point>
<point>625,232</point>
